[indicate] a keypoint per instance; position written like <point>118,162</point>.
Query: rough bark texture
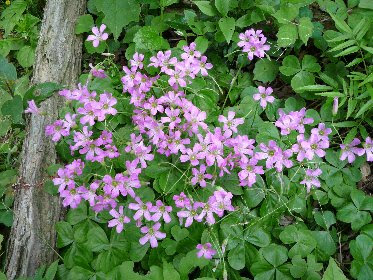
<point>58,59</point>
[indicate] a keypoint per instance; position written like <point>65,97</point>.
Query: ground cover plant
<point>215,140</point>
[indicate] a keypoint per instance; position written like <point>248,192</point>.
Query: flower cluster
<point>171,125</point>
<point>191,211</point>
<point>253,42</point>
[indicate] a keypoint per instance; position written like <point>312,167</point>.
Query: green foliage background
<point>319,50</point>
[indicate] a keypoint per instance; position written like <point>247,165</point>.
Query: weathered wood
<point>58,59</point>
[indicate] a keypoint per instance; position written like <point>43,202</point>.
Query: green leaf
<point>287,35</point>
<point>333,272</point>
<point>84,24</point>
<point>26,56</point>
<point>97,239</point>
<point>179,233</point>
<point>341,25</point>
<point>14,108</point>
<point>7,70</point>
<point>366,4</point>
<point>236,257</point>
<point>51,271</point>
<point>222,6</point>
<point>299,267</point>
<point>206,8</point>
<point>201,44</point>
<point>275,254</point>
<point>305,29</point>
<point>65,234</point>
<point>265,70</point>
<point>148,39</point>
<point>166,3</point>
<point>227,26</point>
<point>301,79</point>
<point>189,262</point>
<point>315,88</point>
<point>309,63</point>
<point>366,107</point>
<point>257,236</point>
<point>169,272</point>
<point>286,13</point>
<point>330,94</point>
<point>324,219</point>
<point>348,51</point>
<point>118,13</point>
<point>290,65</point>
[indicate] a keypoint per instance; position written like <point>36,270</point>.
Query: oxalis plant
<point>165,174</point>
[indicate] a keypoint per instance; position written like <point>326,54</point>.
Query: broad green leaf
<point>179,233</point>
<point>65,234</point>
<point>166,3</point>
<point>305,29</point>
<point>7,70</point>
<point>290,65</point>
<point>169,272</point>
<point>26,56</point>
<point>227,26</point>
<point>366,4</point>
<point>287,35</point>
<point>257,236</point>
<point>287,13</point>
<point>118,13</point>
<point>275,254</point>
<point>201,44</point>
<point>324,219</point>
<point>84,24</point>
<point>206,8</point>
<point>236,257</point>
<point>51,271</point>
<point>265,70</point>
<point>148,39</point>
<point>222,6</point>
<point>14,108</point>
<point>333,272</point>
<point>97,239</point>
<point>309,63</point>
<point>301,79</point>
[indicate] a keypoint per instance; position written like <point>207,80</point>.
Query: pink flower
<point>142,209</point>
<point>191,213</point>
<point>311,178</point>
<point>151,235</point>
<point>368,146</point>
<point>322,131</point>
<point>200,176</point>
<point>119,219</point>
<point>137,61</point>
<point>161,211</point>
<point>264,96</point>
<point>98,73</point>
<point>349,150</point>
<point>205,250</point>
<point>230,124</point>
<point>98,35</point>
<point>181,200</point>
<point>32,108</point>
<point>248,173</point>
<point>71,197</point>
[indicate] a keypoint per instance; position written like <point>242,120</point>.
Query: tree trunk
<point>58,59</point>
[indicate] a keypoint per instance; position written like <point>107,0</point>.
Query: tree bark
<point>58,59</point>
